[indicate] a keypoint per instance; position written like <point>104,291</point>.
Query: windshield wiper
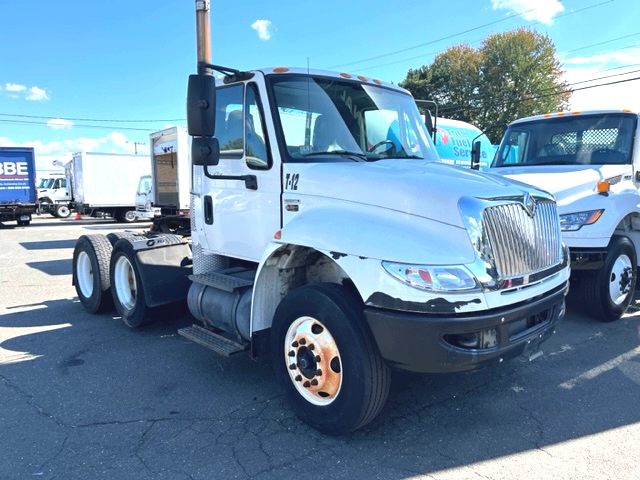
<point>341,153</point>
<point>551,162</point>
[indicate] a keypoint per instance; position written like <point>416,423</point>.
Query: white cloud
<point>14,87</point>
<point>262,27</point>
<point>605,67</point>
<point>59,123</point>
<point>538,10</point>
<point>15,90</point>
<point>36,94</point>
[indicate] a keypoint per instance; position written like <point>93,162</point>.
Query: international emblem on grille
<point>529,204</point>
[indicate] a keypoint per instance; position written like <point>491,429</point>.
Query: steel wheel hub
<point>620,279</point>
<point>84,274</point>
<point>313,361</point>
<point>125,283</point>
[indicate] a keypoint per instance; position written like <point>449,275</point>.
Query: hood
<point>426,189</point>
<point>567,183</point>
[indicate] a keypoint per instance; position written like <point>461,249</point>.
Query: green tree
<point>512,75</point>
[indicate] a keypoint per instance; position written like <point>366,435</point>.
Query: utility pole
<point>135,145</point>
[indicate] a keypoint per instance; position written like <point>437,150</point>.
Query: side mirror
<point>205,151</point>
<point>428,122</point>
<point>201,105</point>
<point>475,155</point>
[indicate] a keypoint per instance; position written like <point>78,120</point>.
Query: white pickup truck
<point>590,162</point>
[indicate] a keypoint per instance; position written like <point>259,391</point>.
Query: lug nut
<point>292,366</point>
<point>319,373</point>
<point>317,359</point>
<point>294,344</point>
<point>314,382</point>
<point>298,378</point>
<point>303,341</point>
<point>292,353</point>
<point>306,384</point>
<point>312,346</point>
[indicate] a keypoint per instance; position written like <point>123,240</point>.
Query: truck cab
<point>54,194</point>
<point>590,162</point>
<point>327,236</point>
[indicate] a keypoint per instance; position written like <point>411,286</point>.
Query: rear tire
<point>127,288</point>
<point>91,272</point>
<point>609,291</point>
<point>325,359</point>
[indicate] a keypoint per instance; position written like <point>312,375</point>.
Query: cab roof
<point>568,114</point>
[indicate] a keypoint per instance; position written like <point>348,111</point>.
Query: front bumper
<point>438,344</point>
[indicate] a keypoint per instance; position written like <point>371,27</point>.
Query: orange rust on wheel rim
<point>313,361</point>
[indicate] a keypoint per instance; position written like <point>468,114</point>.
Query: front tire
<point>91,272</point>
<point>325,359</point>
<point>127,288</point>
<point>609,291</point>
<point>62,211</point>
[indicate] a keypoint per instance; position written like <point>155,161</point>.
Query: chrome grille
<point>522,244</point>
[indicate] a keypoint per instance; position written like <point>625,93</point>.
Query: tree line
<point>511,75</point>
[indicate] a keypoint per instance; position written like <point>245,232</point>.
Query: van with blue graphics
<point>17,184</point>
<point>454,140</point>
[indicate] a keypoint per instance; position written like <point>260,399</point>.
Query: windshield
<point>145,185</point>
<point>330,119</point>
<point>46,183</point>
<point>602,139</point>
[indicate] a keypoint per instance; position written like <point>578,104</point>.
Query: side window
<point>255,134</point>
<point>229,124</point>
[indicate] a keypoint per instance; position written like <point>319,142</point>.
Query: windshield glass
<point>145,185</point>
<point>46,182</point>
<point>603,139</point>
<point>330,119</point>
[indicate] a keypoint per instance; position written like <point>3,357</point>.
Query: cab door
<point>239,215</point>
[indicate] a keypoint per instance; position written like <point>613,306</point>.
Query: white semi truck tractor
<point>335,258</point>
<point>590,162</point>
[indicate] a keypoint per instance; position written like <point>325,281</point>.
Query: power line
<point>105,127</point>
<point>478,41</point>
<point>91,119</point>
<point>458,34</point>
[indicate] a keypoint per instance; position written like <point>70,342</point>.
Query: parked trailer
<point>338,258</point>
<point>17,184</point>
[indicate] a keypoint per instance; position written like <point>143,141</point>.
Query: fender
<point>356,244</point>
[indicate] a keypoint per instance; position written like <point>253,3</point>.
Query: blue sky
<point>74,74</point>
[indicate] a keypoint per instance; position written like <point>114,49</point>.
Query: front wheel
<point>91,272</point>
<point>62,211</point>
<point>325,359</point>
<point>127,288</point>
<point>609,292</point>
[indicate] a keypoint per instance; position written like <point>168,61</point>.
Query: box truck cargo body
<point>104,184</point>
<point>17,184</point>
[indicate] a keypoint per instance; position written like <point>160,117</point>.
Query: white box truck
<point>165,192</point>
<point>335,257</point>
<point>590,162</point>
<point>94,184</point>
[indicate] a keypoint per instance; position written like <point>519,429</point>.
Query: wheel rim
<point>84,274</point>
<point>125,283</point>
<point>63,212</point>
<point>313,361</point>
<point>620,279</point>
<point>130,216</point>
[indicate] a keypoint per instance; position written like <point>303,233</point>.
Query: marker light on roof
<point>280,70</point>
<point>345,75</point>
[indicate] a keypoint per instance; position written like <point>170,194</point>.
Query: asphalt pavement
<point>83,396</point>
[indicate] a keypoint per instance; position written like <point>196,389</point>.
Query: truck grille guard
<point>517,239</point>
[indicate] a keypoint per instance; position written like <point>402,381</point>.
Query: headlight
<point>438,278</point>
<point>574,221</point>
